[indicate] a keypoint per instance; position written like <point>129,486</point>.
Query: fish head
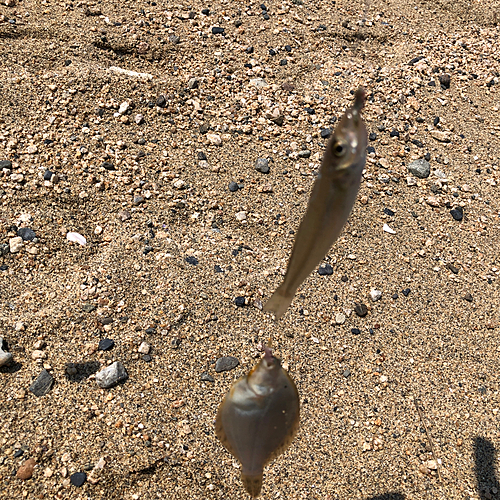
<point>347,148</point>
<point>263,378</point>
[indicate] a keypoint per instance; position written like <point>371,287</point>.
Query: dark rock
<point>151,330</point>
<point>161,102</point>
<point>26,233</point>
<point>106,321</point>
<point>452,268</point>
<point>326,270</point>
<point>233,187</point>
<point>106,344</point>
<point>204,127</point>
<point>372,136</point>
<point>395,296</point>
<point>206,377</point>
<point>406,292</point>
<point>355,331</point>
<point>457,213</point>
<point>226,363</point>
<point>347,373</point>
<point>47,175</point>
<point>88,308</point>
<point>217,30</point>
<point>18,453</point>
<point>202,156</point>
<point>108,165</point>
<point>6,164</point>
<point>360,309</point>
<point>147,358</point>
<point>288,48</point>
<point>388,211</point>
<point>239,301</point>
<point>283,62</point>
<point>468,297</point>
<point>436,120</point>
<point>205,12</point>
<point>394,133</point>
<point>42,384</point>
<point>344,279</point>
<point>325,133</point>
<point>78,479</point>
<point>445,81</point>
<point>249,50</point>
<point>304,154</point>
<point>175,343</point>
<point>191,260</point>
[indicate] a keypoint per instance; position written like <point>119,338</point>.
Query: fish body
<point>330,204</point>
<point>258,419</point>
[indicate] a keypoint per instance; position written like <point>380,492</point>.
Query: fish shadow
<point>76,372</point>
<point>485,468</point>
<point>388,496</point>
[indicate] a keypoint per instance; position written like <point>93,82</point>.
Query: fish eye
<point>339,148</point>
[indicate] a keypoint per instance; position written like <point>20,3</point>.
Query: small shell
<point>77,238</point>
<point>258,419</point>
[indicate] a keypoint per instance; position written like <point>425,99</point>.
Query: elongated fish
<point>258,418</point>
<point>331,202</point>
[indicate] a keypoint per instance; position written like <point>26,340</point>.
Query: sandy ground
<point>167,259</point>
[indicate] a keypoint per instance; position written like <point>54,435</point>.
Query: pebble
<point>394,133</point>
<point>5,357</point>
<point>262,165</point>
<point>217,30</point>
<point>42,384</point>
<point>144,348</point>
<point>206,377</point>
<point>355,331</point>
<point>106,344</point>
<point>214,139</point>
<point>375,294</point>
<point>233,187</point>
<point>340,319</point>
<point>347,373</point>
<point>15,244</point>
<point>468,297</point>
<point>325,133</point>
<point>360,309</point>
<point>6,164</point>
<point>445,81</point>
<point>239,301</point>
<point>26,233</point>
<point>388,229</point>
<point>193,83</point>
<point>124,215</point>
<point>226,363</point>
<point>190,259</point>
<point>326,270</point>
<point>78,478</point>
<point>147,358</point>
<point>138,200</point>
<point>88,308</point>
<point>406,292</point>
<point>457,213</point>
<point>420,168</point>
<point>161,101</point>
<point>26,470</point>
<point>441,135</point>
<point>241,216</point>
<point>111,375</point>
<point>124,107</point>
<point>139,118</point>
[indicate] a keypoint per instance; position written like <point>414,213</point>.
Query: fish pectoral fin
<point>252,483</point>
<point>278,303</point>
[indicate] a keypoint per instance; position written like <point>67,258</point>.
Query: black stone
<point>310,111</point>
<point>26,233</point>
<point>239,301</point>
<point>445,81</point>
<point>355,331</point>
<point>161,101</point>
<point>106,344</point>
<point>388,211</point>
<point>288,48</point>
<point>42,384</point>
<point>417,143</point>
<point>372,136</point>
<point>175,342</point>
<point>452,268</point>
<point>325,133</point>
<point>468,297</point>
<point>457,213</point>
<point>436,120</point>
<point>205,12</point>
<point>347,373</point>
<point>47,175</point>
<point>406,292</point>
<point>360,309</point>
<point>151,331</point>
<point>146,357</point>
<point>233,187</point>
<point>370,149</point>
<point>202,156</point>
<point>249,50</point>
<point>78,479</point>
<point>108,165</point>
<point>206,377</point>
<point>106,321</point>
<point>18,453</point>
<point>272,52</point>
<point>283,62</point>
<point>6,164</point>
<point>395,296</point>
<point>415,60</point>
<point>345,279</point>
<point>88,308</point>
<point>218,269</point>
<point>326,270</point>
<point>394,133</point>
<point>191,260</point>
<point>226,363</point>
<point>266,16</point>
<point>217,30</point>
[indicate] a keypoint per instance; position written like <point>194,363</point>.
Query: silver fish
<point>258,418</point>
<point>331,202</point>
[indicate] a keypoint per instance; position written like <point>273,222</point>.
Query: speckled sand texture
<point>139,126</point>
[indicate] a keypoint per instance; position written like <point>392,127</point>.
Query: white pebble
<point>15,244</point>
<point>375,294</point>
<point>76,238</point>
<point>241,216</point>
<point>388,229</point>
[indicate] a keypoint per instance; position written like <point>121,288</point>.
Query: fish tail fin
<point>279,302</point>
<point>252,483</point>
